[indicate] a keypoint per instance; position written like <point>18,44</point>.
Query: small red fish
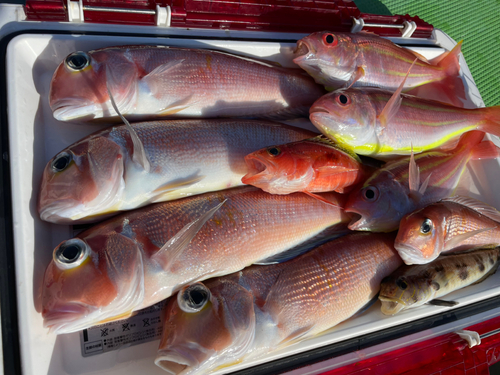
<point>311,166</point>
<point>338,60</point>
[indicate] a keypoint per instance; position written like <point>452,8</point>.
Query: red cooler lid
<point>304,16</point>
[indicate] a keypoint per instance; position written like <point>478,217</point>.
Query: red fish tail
<point>479,149</point>
<point>450,89</point>
<point>485,150</point>
<point>448,61</point>
<point>491,120</point>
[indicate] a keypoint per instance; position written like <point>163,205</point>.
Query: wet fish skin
<point>139,258</point>
<point>453,224</point>
<point>259,309</point>
<point>159,81</point>
<point>386,196</point>
<point>355,122</point>
<point>187,157</point>
<point>314,165</point>
<point>364,59</point>
<point>412,286</point>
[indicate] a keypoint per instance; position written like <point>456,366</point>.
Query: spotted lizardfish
<point>372,122</point>
<point>139,258</point>
<point>410,183</point>
<point>160,81</point>
<point>260,309</point>
<point>453,224</point>
<point>338,60</point>
<point>412,286</point>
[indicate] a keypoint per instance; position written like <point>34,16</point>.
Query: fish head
<point>79,86</point>
<point>378,205</point>
<point>399,292</point>
<point>421,235</point>
<point>280,169</point>
<point>206,327</point>
<point>91,280</point>
<point>330,58</point>
<point>82,180</point>
<point>347,116</point>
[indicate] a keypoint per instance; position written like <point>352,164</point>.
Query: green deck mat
<point>476,22</point>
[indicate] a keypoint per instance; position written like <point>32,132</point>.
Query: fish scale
<point>303,297</point>
<point>250,226</point>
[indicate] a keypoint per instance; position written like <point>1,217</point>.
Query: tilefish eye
<point>426,226</point>
<point>71,253</point>
<point>370,193</point>
<point>274,151</point>
<point>61,162</point>
<point>330,40</point>
<point>193,298</point>
<point>77,60</point>
<point>402,284</point>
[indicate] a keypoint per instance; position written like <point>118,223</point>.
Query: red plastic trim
<point>303,16</point>
<point>444,355</point>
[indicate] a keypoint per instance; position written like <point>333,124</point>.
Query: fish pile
<point>248,270</point>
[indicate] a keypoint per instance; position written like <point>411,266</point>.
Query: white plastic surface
<point>35,137</point>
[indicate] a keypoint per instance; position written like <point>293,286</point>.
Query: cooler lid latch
<point>407,28</point>
<point>163,15</point>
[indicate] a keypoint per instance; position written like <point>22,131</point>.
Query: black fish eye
<point>343,99</point>
<point>402,284</point>
<point>193,298</point>
<point>78,60</point>
<point>71,253</point>
<point>370,193</point>
<point>329,38</point>
<point>274,151</point>
<point>61,162</point>
<point>426,226</point>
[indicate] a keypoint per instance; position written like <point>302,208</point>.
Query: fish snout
<point>177,359</point>
<point>65,318</point>
<point>411,254</point>
<point>391,306</point>
<point>73,108</point>
<point>256,168</point>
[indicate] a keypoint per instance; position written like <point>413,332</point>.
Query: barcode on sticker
<point>146,325</point>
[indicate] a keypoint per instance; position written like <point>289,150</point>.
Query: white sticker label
<point>146,325</point>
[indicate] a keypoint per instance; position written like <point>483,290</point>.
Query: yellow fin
<point>174,185</point>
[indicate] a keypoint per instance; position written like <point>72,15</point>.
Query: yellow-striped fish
<point>378,123</point>
<point>338,60</point>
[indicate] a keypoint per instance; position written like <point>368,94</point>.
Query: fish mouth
<point>318,109</point>
<point>74,108</point>
<point>357,220</point>
<point>411,255</point>
<point>66,318</point>
<point>257,168</point>
<point>181,359</point>
<point>391,306</point>
<point>302,52</point>
<point>61,211</point>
